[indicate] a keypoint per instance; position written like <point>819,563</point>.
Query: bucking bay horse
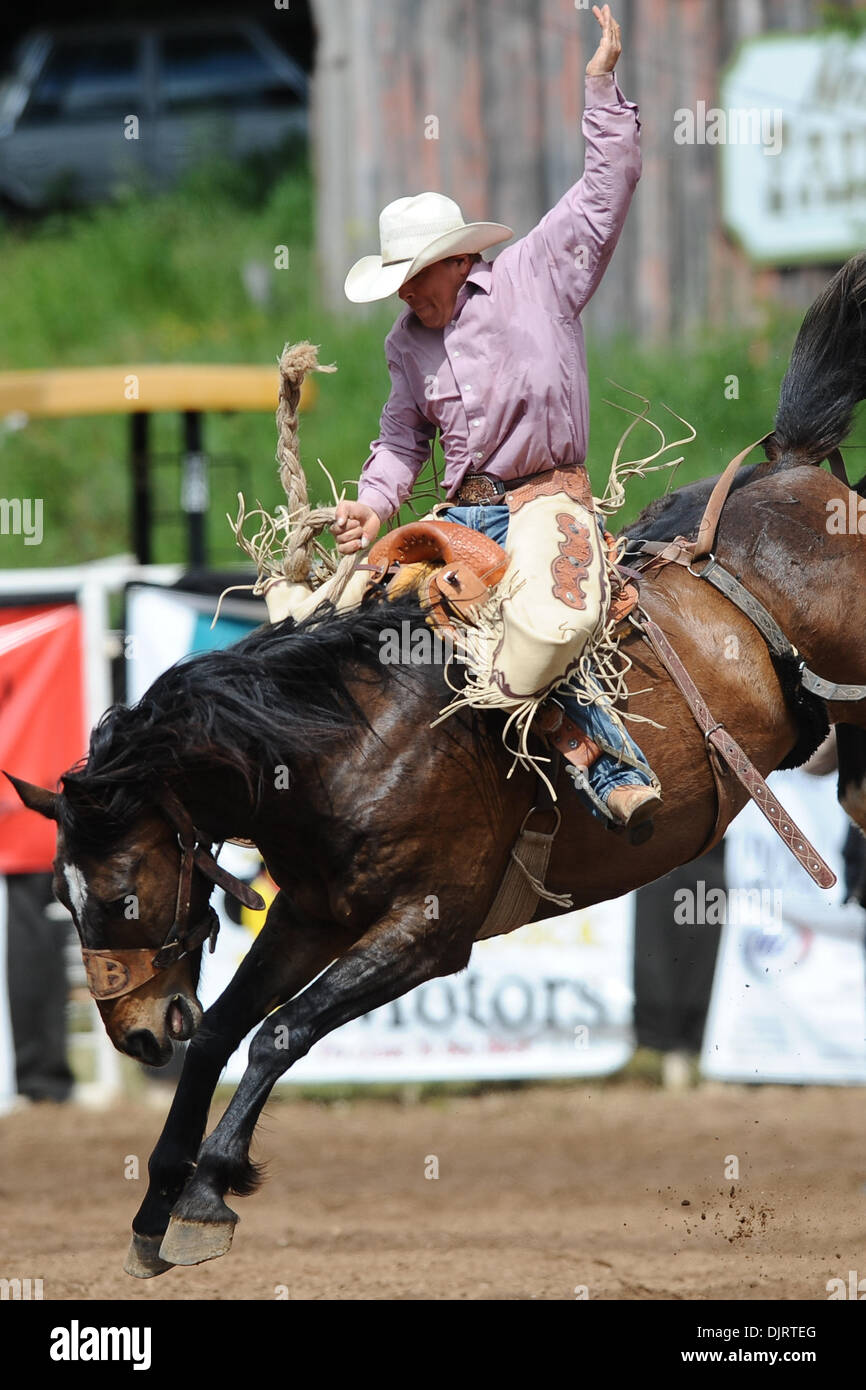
<point>302,741</point>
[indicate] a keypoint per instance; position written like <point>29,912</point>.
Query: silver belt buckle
<point>481,490</point>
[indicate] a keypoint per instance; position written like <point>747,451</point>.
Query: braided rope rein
<point>286,546</point>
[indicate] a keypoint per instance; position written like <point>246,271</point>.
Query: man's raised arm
<point>568,252</point>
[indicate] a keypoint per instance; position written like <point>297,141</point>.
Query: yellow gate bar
<point>159,386</point>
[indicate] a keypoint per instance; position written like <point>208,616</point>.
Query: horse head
<point>126,904</point>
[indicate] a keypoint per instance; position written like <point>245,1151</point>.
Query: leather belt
<point>483,489</point>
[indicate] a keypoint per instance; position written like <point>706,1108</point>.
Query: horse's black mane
<point>279,693</point>
<point>679,513</point>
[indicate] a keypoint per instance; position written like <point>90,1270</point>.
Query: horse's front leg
<point>396,954</point>
<point>285,956</point>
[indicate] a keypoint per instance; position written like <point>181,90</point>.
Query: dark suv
<point>87,112</point>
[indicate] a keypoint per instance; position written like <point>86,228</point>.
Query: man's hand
<point>355,526</point>
<point>609,47</point>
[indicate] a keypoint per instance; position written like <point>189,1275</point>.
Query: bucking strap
<point>517,898</point>
<point>741,766</point>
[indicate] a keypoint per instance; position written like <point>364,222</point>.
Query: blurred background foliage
<point>189,276</point>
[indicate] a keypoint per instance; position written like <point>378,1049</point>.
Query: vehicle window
<point>83,80</point>
<point>218,70</point>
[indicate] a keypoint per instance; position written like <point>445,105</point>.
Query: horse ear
<point>35,798</point>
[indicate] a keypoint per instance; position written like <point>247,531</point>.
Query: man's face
<point>432,293</point>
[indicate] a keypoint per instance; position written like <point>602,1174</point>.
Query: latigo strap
<point>742,768</point>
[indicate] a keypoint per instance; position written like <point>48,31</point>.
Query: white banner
<point>789,992</point>
<point>792,129</point>
<point>552,999</point>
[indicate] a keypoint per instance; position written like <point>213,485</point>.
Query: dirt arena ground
<point>618,1188</point>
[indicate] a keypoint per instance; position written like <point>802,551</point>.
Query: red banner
<point>42,730</point>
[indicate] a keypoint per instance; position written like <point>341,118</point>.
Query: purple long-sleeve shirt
<point>505,382</point>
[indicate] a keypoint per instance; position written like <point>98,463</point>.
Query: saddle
<point>467,566</point>
<point>462,566</point>
<point>455,569</point>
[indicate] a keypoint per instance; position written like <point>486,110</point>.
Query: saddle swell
<point>444,542</point>
<point>468,564</point>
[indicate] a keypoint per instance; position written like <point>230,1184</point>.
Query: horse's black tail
<point>826,376</point>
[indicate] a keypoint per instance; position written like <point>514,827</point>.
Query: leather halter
<point>111,974</point>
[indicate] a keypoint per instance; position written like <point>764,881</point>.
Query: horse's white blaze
<point>77,885</point>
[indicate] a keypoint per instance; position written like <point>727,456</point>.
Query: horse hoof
<point>143,1261</point>
<point>193,1242</point>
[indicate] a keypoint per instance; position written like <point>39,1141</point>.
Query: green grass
<point>159,279</point>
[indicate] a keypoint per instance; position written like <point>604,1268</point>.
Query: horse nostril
<point>180,1021</point>
<point>142,1045</point>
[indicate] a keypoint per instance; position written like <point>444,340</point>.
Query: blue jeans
<point>607,771</point>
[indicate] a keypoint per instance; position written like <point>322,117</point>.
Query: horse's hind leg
<point>394,956</point>
<point>284,957</point>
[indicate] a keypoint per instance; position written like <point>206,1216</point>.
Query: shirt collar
<point>479,278</point>
<point>481,275</point>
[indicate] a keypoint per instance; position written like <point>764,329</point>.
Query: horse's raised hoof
<point>193,1242</point>
<point>143,1261</point>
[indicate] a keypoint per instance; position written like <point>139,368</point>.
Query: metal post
<point>194,488</point>
<point>139,453</point>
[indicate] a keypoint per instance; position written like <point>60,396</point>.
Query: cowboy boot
<point>631,806</point>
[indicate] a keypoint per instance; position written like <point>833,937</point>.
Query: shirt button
<point>456,352</point>
<point>479,455</point>
<point>453,323</point>
<point>467,387</point>
<point>475,423</point>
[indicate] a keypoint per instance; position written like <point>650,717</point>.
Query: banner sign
<point>792,130</point>
<point>164,625</point>
<point>42,730</point>
<point>789,993</point>
<point>552,999</point>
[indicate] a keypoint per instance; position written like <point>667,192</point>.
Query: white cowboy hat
<point>413,233</point>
